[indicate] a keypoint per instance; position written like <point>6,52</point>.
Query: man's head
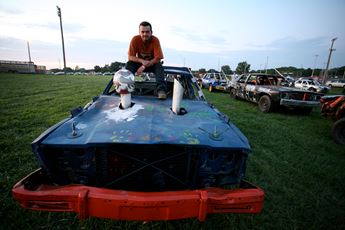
<point>145,31</point>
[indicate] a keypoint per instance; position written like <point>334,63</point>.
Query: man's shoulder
<point>136,38</point>
<point>154,38</point>
<point>155,41</point>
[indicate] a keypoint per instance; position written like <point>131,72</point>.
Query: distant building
<point>40,69</point>
<point>20,67</point>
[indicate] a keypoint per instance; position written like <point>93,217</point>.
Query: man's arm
<point>138,60</point>
<point>157,50</point>
<point>146,63</point>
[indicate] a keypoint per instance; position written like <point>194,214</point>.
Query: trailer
<point>17,67</point>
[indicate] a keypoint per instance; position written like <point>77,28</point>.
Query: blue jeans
<point>157,69</point>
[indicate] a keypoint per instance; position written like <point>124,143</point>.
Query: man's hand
<point>146,63</point>
<point>141,69</point>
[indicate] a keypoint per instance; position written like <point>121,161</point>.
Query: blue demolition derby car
<point>214,82</point>
<point>149,160</point>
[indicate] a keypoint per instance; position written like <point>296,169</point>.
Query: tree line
<point>242,67</point>
<point>112,67</point>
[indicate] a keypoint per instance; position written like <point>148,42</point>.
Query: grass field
<point>295,161</point>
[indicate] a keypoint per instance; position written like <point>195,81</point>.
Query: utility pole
<point>29,65</point>
<point>312,73</point>
<point>266,65</point>
<point>219,69</point>
<point>27,42</point>
<point>63,45</point>
<point>325,76</point>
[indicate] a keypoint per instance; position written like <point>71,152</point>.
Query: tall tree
<point>106,68</point>
<point>243,67</point>
<point>97,68</point>
<point>307,72</point>
<point>69,70</point>
<point>226,69</point>
<point>115,66</point>
<point>202,70</point>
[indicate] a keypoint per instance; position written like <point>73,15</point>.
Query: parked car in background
<point>336,83</point>
<point>59,73</point>
<point>214,81</point>
<point>271,92</point>
<point>311,85</point>
<point>290,81</point>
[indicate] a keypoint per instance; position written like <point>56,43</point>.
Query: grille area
<point>301,96</point>
<point>144,167</point>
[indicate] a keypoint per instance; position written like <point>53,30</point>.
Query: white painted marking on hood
<point>119,115</point>
<point>81,126</point>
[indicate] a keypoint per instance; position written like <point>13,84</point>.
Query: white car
<point>311,85</point>
<point>336,83</point>
<point>59,73</point>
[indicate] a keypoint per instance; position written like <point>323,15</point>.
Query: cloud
<point>67,27</point>
<point>7,10</point>
<point>196,36</point>
<point>290,51</point>
<point>192,40</point>
<point>290,43</point>
<point>83,52</point>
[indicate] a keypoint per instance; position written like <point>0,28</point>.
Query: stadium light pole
<point>63,45</point>
<point>325,75</point>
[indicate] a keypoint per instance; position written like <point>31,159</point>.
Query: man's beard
<point>146,39</point>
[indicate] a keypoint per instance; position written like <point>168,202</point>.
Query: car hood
<point>148,121</point>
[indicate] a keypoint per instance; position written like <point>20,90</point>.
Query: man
<point>145,55</point>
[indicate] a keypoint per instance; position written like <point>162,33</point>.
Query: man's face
<point>145,33</point>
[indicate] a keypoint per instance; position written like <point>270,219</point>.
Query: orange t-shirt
<point>147,51</point>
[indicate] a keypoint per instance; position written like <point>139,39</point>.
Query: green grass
<point>295,159</point>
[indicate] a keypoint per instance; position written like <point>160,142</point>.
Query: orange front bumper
<point>126,205</point>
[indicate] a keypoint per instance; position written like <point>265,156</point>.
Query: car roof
<point>184,71</point>
<point>263,74</point>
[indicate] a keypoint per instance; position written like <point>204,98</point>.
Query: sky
<point>194,33</point>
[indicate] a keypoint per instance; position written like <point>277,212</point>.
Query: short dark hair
<point>145,23</point>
